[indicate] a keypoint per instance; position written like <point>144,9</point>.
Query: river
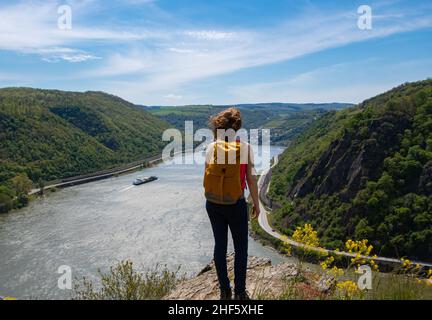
<point>93,226</point>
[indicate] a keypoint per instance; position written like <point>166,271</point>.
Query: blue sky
<point>166,52</point>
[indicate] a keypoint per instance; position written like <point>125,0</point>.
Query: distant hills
<point>51,134</point>
<point>269,105</point>
<point>296,106</point>
<point>286,120</point>
<point>364,173</point>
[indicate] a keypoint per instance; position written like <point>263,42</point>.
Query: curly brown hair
<point>227,119</point>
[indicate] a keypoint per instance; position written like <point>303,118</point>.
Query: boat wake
<point>126,189</point>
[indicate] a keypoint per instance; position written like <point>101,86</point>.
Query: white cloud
<point>138,2</point>
<point>143,61</point>
<point>70,57</point>
<point>172,96</point>
<point>343,82</point>
<point>179,50</point>
<point>210,35</point>
<point>158,70</point>
<point>31,28</point>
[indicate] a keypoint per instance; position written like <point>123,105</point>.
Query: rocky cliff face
<point>264,280</point>
<point>351,160</point>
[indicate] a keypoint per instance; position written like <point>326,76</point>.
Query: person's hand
<point>255,211</point>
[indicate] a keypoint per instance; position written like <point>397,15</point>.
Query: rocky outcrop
<point>263,280</point>
<point>263,189</point>
<point>352,160</point>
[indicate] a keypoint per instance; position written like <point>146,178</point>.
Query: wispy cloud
<point>172,96</point>
<point>159,69</point>
<point>333,83</point>
<point>58,54</point>
<point>142,59</point>
<point>31,28</point>
<point>210,35</point>
<point>137,2</point>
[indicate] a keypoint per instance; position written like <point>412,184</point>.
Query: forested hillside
<point>366,173</point>
<point>48,134</point>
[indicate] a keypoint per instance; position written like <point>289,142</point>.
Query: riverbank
<point>100,175</point>
<point>68,182</point>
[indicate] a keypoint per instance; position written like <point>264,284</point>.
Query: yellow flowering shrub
<point>327,266</point>
<point>362,253</point>
<point>306,235</point>
<point>406,264</point>
<point>336,272</point>
<point>286,248</point>
<point>416,271</point>
<point>348,290</point>
<point>327,262</point>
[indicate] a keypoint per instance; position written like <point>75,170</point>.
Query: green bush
<point>123,282</point>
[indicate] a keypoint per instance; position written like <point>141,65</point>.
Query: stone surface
<point>325,284</point>
<point>351,160</point>
<point>262,279</point>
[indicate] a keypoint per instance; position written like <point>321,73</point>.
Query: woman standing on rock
<point>229,167</point>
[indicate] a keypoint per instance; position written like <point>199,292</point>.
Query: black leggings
<point>236,218</point>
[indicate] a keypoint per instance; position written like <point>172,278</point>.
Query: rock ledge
<point>263,279</point>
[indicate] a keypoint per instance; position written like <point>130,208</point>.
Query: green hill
<point>49,134</point>
<point>366,173</point>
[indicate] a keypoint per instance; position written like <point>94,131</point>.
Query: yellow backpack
<point>222,180</point>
